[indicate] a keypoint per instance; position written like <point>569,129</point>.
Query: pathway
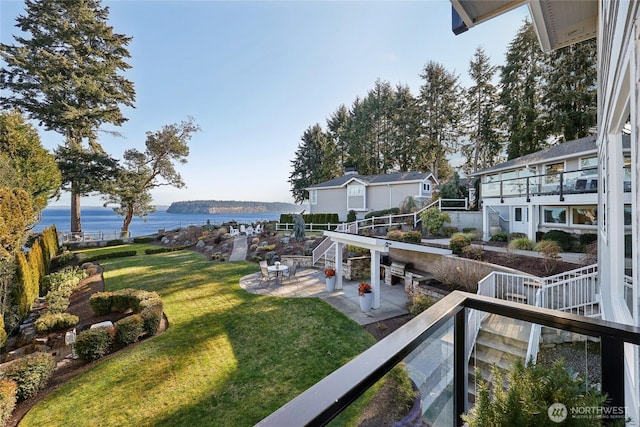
<point>239,252</point>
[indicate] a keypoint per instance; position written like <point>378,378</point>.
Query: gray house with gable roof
<point>366,193</point>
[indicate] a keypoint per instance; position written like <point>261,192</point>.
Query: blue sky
<point>255,75</point>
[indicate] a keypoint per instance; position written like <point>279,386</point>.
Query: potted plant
<point>330,279</point>
<point>366,297</point>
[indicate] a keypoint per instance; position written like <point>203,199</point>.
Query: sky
<point>256,74</point>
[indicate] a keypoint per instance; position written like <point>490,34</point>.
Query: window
<point>313,197</point>
<point>426,187</point>
<point>552,173</point>
<point>554,215</point>
<point>356,197</point>
<point>589,165</point>
<point>518,214</point>
<point>584,215</point>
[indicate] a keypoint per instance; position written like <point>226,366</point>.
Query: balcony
<point>559,184</point>
<point>436,347</point>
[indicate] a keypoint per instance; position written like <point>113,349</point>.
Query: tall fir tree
<point>405,117</point>
<point>66,73</point>
<point>570,90</point>
<point>337,133</point>
<point>310,165</point>
<point>521,91</point>
<point>484,145</point>
<point>440,110</point>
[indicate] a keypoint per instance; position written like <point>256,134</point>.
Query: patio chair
<point>266,275</point>
<point>291,272</point>
<point>233,231</point>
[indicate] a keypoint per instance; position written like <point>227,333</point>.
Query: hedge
<point>30,373</point>
<point>147,304</point>
<point>8,390</point>
<point>55,322</point>
<point>121,254</point>
<point>383,212</point>
<point>317,219</point>
<point>92,344</point>
<point>128,330</point>
<point>161,250</point>
<point>143,239</point>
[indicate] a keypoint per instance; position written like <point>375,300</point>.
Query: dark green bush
<point>92,344</point>
<point>163,250</point>
<point>458,242</point>
<point>151,317</point>
<point>588,238</point>
<point>100,303</point>
<point>121,254</point>
<point>383,212</point>
<point>115,242</point>
<point>143,239</point>
<point>8,390</point>
<point>561,237</point>
<point>128,330</point>
<point>469,230</point>
<point>55,322</point>
<point>500,237</point>
<point>412,237</point>
<point>351,216</point>
<point>30,373</point>
<point>449,231</point>
<point>123,300</point>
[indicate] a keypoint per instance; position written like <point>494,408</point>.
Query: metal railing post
<point>460,371</point>
<point>612,363</point>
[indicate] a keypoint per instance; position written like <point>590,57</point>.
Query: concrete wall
<point>465,219</point>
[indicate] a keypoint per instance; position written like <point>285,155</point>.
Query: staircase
<point>500,342</point>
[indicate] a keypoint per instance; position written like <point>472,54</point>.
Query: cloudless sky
<point>256,74</point>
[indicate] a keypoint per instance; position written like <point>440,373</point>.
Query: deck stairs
<point>501,341</point>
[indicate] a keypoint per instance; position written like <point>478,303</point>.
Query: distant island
<point>231,206</point>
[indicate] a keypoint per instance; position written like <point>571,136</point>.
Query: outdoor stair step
<point>484,344</point>
<point>497,339</point>
<point>510,329</point>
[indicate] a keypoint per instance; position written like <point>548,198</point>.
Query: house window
<point>552,173</point>
<point>584,215</point>
<point>426,187</point>
<point>313,197</point>
<point>355,197</point>
<point>518,214</point>
<point>554,215</point>
<point>589,165</point>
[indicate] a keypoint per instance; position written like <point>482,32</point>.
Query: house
<point>367,193</point>
<point>552,189</point>
<point>615,24</point>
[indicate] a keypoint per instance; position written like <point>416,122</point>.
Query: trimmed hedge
<point>8,390</point>
<point>383,212</point>
<point>144,239</point>
<point>55,322</point>
<point>30,373</point>
<point>561,237</point>
<point>317,219</point>
<point>92,344</point>
<point>121,254</point>
<point>128,330</point>
<point>147,305</point>
<point>161,250</point>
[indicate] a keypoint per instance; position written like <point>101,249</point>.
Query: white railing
<point>575,293</point>
<point>568,275</point>
<point>284,226</point>
<point>325,248</point>
<point>486,287</point>
<point>84,236</point>
<point>628,292</point>
<point>534,336</point>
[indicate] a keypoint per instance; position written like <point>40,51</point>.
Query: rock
<point>106,324</point>
<point>208,248</point>
<point>224,247</point>
<point>200,244</point>
<point>187,242</point>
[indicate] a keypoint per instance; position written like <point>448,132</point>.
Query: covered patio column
<point>339,247</point>
<point>375,277</point>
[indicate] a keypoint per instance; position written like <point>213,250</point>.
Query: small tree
<point>550,250</point>
<point>433,219</point>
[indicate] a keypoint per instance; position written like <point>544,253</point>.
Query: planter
<point>366,301</point>
<point>330,283</point>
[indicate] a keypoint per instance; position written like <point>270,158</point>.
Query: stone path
<point>239,252</point>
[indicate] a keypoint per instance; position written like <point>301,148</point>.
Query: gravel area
<point>578,357</point>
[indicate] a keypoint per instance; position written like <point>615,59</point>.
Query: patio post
<point>338,266</point>
<point>375,277</point>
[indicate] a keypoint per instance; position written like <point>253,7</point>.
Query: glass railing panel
<point>491,189</point>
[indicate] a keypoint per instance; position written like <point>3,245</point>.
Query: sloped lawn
<point>228,357</point>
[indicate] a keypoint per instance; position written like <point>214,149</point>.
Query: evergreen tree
<point>570,90</point>
<point>484,146</point>
<point>337,133</point>
<point>405,117</point>
<point>440,108</point>
<point>144,171</point>
<point>309,166</point>
<point>521,94</point>
<point>66,73</point>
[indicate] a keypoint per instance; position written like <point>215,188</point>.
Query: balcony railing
<point>560,183</point>
<point>437,336</point>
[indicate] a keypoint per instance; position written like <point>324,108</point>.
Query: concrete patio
<point>310,283</point>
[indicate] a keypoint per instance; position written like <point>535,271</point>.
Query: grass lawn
<point>228,357</point>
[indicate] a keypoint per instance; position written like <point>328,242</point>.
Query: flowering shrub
<point>329,272</point>
<point>364,288</point>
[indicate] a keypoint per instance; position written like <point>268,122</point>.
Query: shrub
<point>100,303</point>
<point>121,254</point>
<point>550,250</point>
<point>561,237</point>
<point>522,243</point>
<point>65,257</point>
<point>8,389</point>
<point>500,237</point>
<point>458,242</point>
<point>128,330</point>
<point>151,317</point>
<point>588,238</point>
<point>56,303</point>
<point>412,237</point>
<point>383,212</point>
<point>123,300</point>
<point>590,254</point>
<point>469,230</point>
<point>351,216</point>
<point>420,303</point>
<point>115,242</point>
<point>455,274</point>
<point>513,236</point>
<point>30,373</point>
<point>395,235</point>
<point>266,248</point>
<point>55,322</point>
<point>144,239</point>
<point>472,252</point>
<point>92,344</point>
<point>433,219</point>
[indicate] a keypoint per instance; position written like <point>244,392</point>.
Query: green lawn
<point>228,357</point>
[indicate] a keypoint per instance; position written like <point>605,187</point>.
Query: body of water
<point>99,219</point>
